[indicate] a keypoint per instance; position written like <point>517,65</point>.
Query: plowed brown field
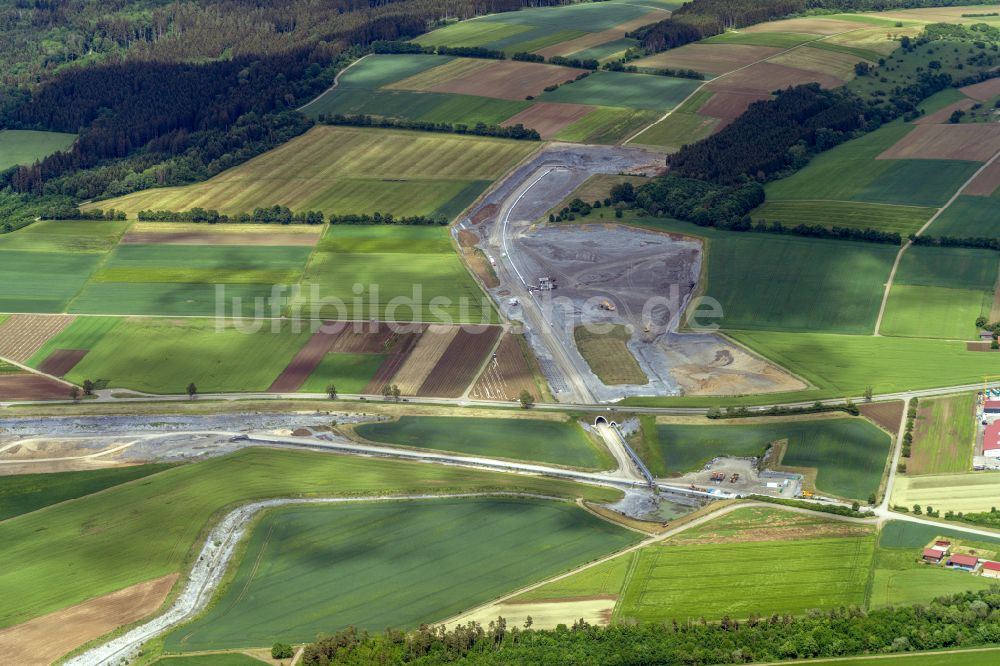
<point>986,183</point>
<point>429,350</point>
<point>302,365</point>
<point>43,640</point>
<point>460,362</point>
<point>31,387</point>
<point>399,348</point>
<point>709,58</point>
<point>507,376</point>
<point>767,77</point>
<point>730,105</point>
<point>942,115</point>
<point>983,91</point>
<point>548,118</point>
<point>22,335</point>
<point>887,415</point>
<point>508,79</point>
<point>976,141</point>
<point>61,361</point>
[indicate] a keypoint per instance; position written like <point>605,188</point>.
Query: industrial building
<point>991,440</point>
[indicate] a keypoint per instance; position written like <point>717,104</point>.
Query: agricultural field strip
<point>919,232</point>
<point>694,92</point>
<point>213,561</point>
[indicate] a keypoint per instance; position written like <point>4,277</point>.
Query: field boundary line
<point>336,82</point>
<point>902,656</point>
<point>920,232</point>
<point>694,92</point>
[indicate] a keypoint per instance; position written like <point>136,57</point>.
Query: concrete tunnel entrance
<point>600,420</point>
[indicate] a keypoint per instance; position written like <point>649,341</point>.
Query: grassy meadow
<point>350,373</point>
<point>150,528</point>
<point>27,146</point>
<point>944,435</point>
<point>555,442</point>
<point>461,553</point>
<point>344,170</point>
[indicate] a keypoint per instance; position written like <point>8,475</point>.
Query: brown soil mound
<point>31,387</point>
<point>43,640</point>
<point>61,361</point>
<point>23,335</point>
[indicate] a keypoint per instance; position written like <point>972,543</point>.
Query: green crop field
<point>938,292</point>
<point>345,170</point>
<point>607,125</point>
<point>790,283</point>
<point>139,531</point>
<point>82,333</point>
<point>605,579</point>
<point>220,659</point>
<point>944,435</point>
<point>608,50</point>
<point>677,130</point>
<point>42,281</point>
<point>163,356</point>
<point>459,553</point>
<point>781,40</point>
<point>350,373</point>
<point>65,236</point>
<point>384,239</point>
<point>166,298</point>
<point>634,91</point>
<point>742,579</point>
<point>976,657</point>
<point>24,493</point>
<point>27,146</point>
<point>558,442</point>
<point>841,365</point>
<point>471,33</point>
<point>213,264</point>
<point>849,454</point>
<point>850,172</point>
<point>969,217</point>
<point>903,220</point>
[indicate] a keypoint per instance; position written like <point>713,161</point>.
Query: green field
<point>221,659</point>
<point>849,454</point>
<point>969,217</point>
<point>65,236</point>
<point>163,356</point>
<point>27,146</point>
<point>944,435</point>
<point>24,493</point>
<point>558,442</point>
<point>606,125</point>
<point>634,91</point>
<point>781,40</point>
<point>677,130</point>
<point>974,657</point>
<point>167,298</point>
<point>348,170</point>
<point>350,373</point>
<point>139,531</point>
<point>42,281</point>
<point>319,569</point>
<point>385,239</point>
<point>841,365</point>
<point>82,333</point>
<point>903,220</point>
<point>938,292</point>
<point>850,172</point>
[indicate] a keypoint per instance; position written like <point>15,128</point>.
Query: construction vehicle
<point>718,477</point>
<point>807,494</point>
<point>608,305</point>
<point>734,478</point>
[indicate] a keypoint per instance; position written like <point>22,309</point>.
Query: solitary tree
<point>281,651</point>
<point>395,392</point>
<point>869,393</point>
<point>74,393</point>
<point>88,387</point>
<point>331,390</point>
<point>872,499</point>
<point>387,391</point>
<point>527,400</point>
<point>192,390</point>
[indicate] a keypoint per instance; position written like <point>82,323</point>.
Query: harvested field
<point>823,61</point>
<point>43,640</point>
<point>216,238</point>
<point>709,58</point>
<point>429,350</point>
<point>814,26</point>
<point>476,260</point>
<point>460,362</point>
<point>767,77</point>
<point>983,91</point>
<point>548,118</point>
<point>729,105</point>
<point>23,335</point>
<point>985,183</point>
<point>399,348</point>
<point>61,361</point>
<point>304,362</point>
<point>977,142</point>
<point>363,340</point>
<point>31,387</point>
<point>966,492</point>
<point>886,415</point>
<point>878,40</point>
<point>608,355</point>
<point>944,435</point>
<point>508,374</point>
<point>505,79</point>
<point>543,614</point>
<point>942,115</point>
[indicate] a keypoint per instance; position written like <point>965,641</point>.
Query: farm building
<point>964,562</point>
<point>991,569</point>
<point>991,440</point>
<point>991,407</point>
<point>943,545</point>
<point>933,555</point>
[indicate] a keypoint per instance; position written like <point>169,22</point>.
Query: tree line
<point>517,131</point>
<point>986,243</point>
<point>963,620</point>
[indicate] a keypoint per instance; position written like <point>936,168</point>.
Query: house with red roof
<point>991,440</point>
<point>991,569</point>
<point>964,562</point>
<point>933,555</point>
